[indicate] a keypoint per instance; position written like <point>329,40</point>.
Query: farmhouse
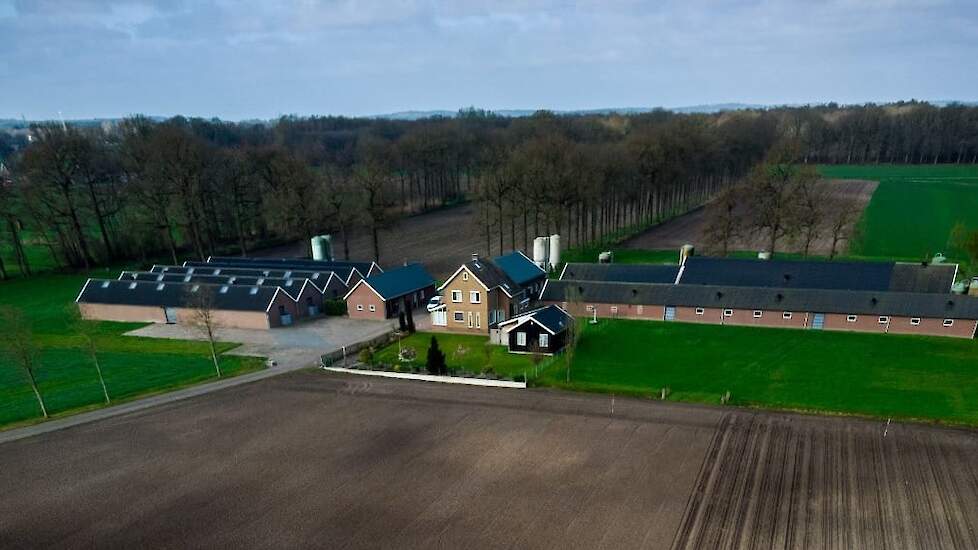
<point>483,293</point>
<point>255,307</point>
<point>386,295</point>
<point>541,331</point>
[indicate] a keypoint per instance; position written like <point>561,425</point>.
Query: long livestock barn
<point>879,297</point>
<point>242,293</point>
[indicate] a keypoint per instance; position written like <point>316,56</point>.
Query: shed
<point>541,331</point>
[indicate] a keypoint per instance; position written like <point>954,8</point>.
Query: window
<point>544,340</point>
<point>224,289</point>
<point>132,286</point>
<point>589,307</point>
<point>465,275</point>
<point>105,284</point>
<point>373,307</point>
<point>949,322</point>
<point>459,316</point>
<point>253,291</point>
<point>520,338</point>
<point>758,313</point>
<point>186,278</point>
<point>884,319</point>
<point>474,297</point>
<point>457,296</point>
<point>160,287</point>
<point>614,309</point>
<point>786,315</point>
<point>851,318</point>
<point>359,307</point>
<point>700,311</point>
<point>217,272</point>
<point>195,288</point>
<point>915,321</point>
<point>728,313</point>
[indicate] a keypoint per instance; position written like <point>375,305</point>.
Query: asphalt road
<point>311,459</point>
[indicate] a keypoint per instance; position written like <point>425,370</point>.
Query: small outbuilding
<point>541,331</point>
<point>387,294</point>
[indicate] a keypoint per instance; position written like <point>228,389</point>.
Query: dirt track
<point>442,240</point>
<point>319,460</point>
<point>689,227</point>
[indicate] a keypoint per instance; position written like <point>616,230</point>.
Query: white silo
<point>327,241</point>
<point>554,258</point>
<point>317,247</point>
<point>540,251</point>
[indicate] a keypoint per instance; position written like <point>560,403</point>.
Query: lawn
<point>622,255</point>
<point>463,352</point>
<point>66,375</point>
<point>38,255</point>
<point>914,208</point>
<point>912,377</point>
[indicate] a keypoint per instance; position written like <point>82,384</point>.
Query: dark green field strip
<point>877,375</point>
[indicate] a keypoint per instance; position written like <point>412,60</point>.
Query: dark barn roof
<point>520,269</point>
<point>551,317</point>
<point>625,273</point>
<point>922,277</point>
<point>135,293</point>
<point>400,282</point>
<point>291,285</point>
<point>699,270</point>
<point>319,277</point>
<point>904,304</point>
<point>294,263</point>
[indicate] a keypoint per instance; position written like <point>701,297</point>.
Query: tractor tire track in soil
<point>770,481</point>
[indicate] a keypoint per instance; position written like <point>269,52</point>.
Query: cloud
<point>247,58</point>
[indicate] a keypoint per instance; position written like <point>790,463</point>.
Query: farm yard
<point>67,378</point>
<point>914,208</point>
<point>909,377</point>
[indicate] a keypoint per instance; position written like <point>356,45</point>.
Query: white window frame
<point>948,322</point>
<point>728,313</point>
<point>459,299</point>
<point>915,321</point>
<point>786,315</point>
<point>852,318</point>
<point>373,307</point>
<point>589,307</point>
<point>614,309</point>
<point>758,314</point>
<point>641,310</point>
<point>521,339</point>
<point>465,275</point>
<point>458,316</point>
<point>699,311</point>
<point>359,307</point>
<point>544,340</point>
<point>475,297</point>
<point>884,319</point>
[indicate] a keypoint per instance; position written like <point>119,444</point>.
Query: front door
<point>170,314</point>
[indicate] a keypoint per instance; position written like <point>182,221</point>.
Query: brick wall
<point>359,303</point>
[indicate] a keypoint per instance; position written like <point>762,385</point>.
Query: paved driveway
<point>297,346</point>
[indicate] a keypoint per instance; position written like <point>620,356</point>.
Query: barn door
<point>818,321</point>
<point>170,314</point>
<point>670,313</point>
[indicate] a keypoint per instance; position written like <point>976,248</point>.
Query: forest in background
<point>182,187</point>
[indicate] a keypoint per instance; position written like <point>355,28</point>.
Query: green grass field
<point>38,256</point>
<point>909,377</point>
<point>66,376</point>
<point>462,352</point>
<point>914,208</point>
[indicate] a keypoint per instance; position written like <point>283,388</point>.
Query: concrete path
<point>292,348</point>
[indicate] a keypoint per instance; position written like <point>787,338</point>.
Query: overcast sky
<point>263,58</point>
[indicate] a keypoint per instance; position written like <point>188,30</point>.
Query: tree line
<point>143,188</point>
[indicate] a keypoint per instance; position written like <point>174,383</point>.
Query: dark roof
<point>294,263</point>
<point>290,285</point>
<point>625,273</point>
<point>519,268</point>
<point>135,293</point>
<point>211,269</point>
<point>401,281</point>
<point>552,317</point>
<point>904,304</point>
<point>700,270</point>
<point>492,276</point>
<point>922,277</point>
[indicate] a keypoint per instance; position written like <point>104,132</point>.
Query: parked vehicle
<point>434,303</point>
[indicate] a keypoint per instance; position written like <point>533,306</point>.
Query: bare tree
<point>87,331</point>
<point>200,299</point>
<point>17,339</point>
<point>808,205</point>
<point>772,187</point>
<point>841,217</point>
<point>375,182</point>
<point>724,221</point>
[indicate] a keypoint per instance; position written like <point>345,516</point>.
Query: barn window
<point>728,313</point>
<point>474,297</point>
<point>373,307</point>
<point>544,340</point>
<point>459,316</point>
<point>851,318</point>
<point>457,296</point>
<point>786,315</point>
<point>253,291</point>
<point>884,319</point>
<point>186,278</point>
<point>915,321</point>
<point>949,322</point>
<point>758,313</point>
<point>105,284</point>
<point>700,311</point>
<point>160,287</point>
<point>614,309</point>
<point>132,286</point>
<point>589,307</point>
<point>520,338</point>
<point>359,307</point>
<point>224,289</point>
